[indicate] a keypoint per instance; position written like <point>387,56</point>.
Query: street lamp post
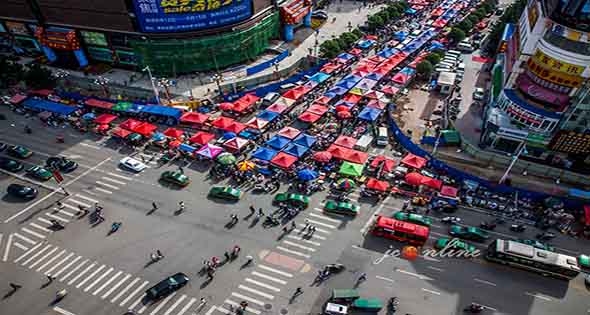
<point>521,150</point>
<point>156,94</point>
<point>217,78</point>
<point>102,81</point>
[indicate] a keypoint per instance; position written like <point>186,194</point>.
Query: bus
<point>527,257</point>
<point>400,231</point>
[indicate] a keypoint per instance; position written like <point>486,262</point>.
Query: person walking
<point>252,210</point>
<point>362,277</point>
<point>15,286</point>
<point>50,279</point>
<point>298,291</point>
<point>154,205</point>
<point>60,205</point>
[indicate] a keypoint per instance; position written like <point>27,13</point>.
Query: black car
<point>22,191</point>
<point>167,286</point>
<point>10,165</point>
<point>61,164</point>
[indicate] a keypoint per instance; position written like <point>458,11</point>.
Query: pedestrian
<point>15,286</point>
<point>159,253</point>
<point>60,205</point>
<point>298,291</point>
<point>154,205</point>
<point>362,277</point>
<point>50,279</point>
<point>203,302</point>
<point>226,255</point>
<point>180,169</point>
<point>252,209</point>
<point>306,224</point>
<point>260,212</point>
<point>293,225</point>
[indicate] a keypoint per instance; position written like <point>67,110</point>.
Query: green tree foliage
<point>38,77</point>
<point>424,69</point>
<point>511,15</point>
<point>456,35</point>
<point>473,19</point>
<point>481,12</point>
<point>433,58</point>
<point>384,15</point>
<point>330,49</point>
<point>465,25</point>
<point>10,72</point>
<point>349,39</point>
<point>374,22</point>
<point>358,33</point>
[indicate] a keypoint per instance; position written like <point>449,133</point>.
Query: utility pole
<point>156,93</point>
<point>521,150</point>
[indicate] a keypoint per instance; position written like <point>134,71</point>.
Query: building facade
<point>170,36</point>
<point>540,85</point>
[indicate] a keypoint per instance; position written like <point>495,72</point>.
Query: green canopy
<point>351,169</point>
<point>122,106</point>
<point>226,158</point>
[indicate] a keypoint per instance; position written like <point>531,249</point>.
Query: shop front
<point>61,46</point>
<point>19,37</point>
<point>294,14</point>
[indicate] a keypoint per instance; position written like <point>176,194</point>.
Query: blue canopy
<point>352,78</point>
<point>229,135</point>
<point>277,142</point>
<point>135,108</point>
<point>163,111</point>
<point>295,150</point>
<point>400,36</point>
<point>345,103</point>
<point>264,154</point>
<point>411,11</point>
<point>369,114</point>
<point>364,44</point>
<point>346,84</point>
<point>387,52</point>
<point>436,45</point>
<point>48,106</point>
<point>345,56</point>
<point>158,136</point>
<point>330,94</point>
<point>88,116</point>
<point>578,193</point>
<point>338,90</point>
<point>307,174</point>
<point>268,115</point>
<point>186,148</point>
<point>319,77</point>
<point>374,76</point>
<point>305,140</point>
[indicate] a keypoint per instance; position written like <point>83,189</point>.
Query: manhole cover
<point>285,311</point>
<point>267,306</point>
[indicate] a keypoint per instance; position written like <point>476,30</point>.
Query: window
<point>567,44</point>
<point>545,124</point>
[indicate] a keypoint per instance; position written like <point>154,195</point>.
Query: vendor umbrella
<point>201,138</point>
<point>346,184</point>
<point>322,156</point>
<point>351,169</point>
<point>379,185</point>
<point>246,166</point>
<point>173,133</point>
<point>88,116</point>
<point>264,154</point>
<point>226,158</point>
<point>229,135</point>
<point>342,108</point>
<point>307,174</point>
<point>226,106</point>
<point>209,151</point>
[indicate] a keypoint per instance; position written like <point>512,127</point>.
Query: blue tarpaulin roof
<point>319,77</point>
<point>49,106</point>
<point>369,114</point>
<point>352,78</point>
<point>400,36</point>
<point>364,44</point>
<point>387,52</point>
<point>135,108</point>
<point>264,154</point>
<point>305,140</point>
<point>158,136</point>
<point>295,150</point>
<point>578,193</point>
<point>337,90</point>
<point>277,142</point>
<point>435,45</point>
<point>374,76</point>
<point>345,56</point>
<point>186,148</point>
<point>267,115</point>
<point>410,11</point>
<point>163,111</point>
<point>346,84</point>
<point>330,94</point>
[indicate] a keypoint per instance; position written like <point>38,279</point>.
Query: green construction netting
<point>171,57</point>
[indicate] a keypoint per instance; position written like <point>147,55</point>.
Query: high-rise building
<point>540,85</point>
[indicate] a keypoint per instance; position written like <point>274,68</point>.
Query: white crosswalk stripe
<point>133,294</point>
<point>103,190</point>
<point>102,276</point>
<point>171,308</point>
<point>35,255</point>
<point>124,290</point>
<point>317,229</point>
<point>44,221</point>
<point>107,282</point>
<point>86,198</point>
<point>323,217</point>
<point>79,202</point>
<point>21,246</point>
<point>322,224</point>
<point>113,288</point>
<point>52,259</point>
<point>53,216</point>
<point>301,239</point>
<point>59,263</point>
<point>309,249</point>
<point>263,285</point>
<point>286,250</point>
<point>27,252</point>
<point>161,304</point>
<point>90,276</point>
<point>62,211</point>
<point>107,185</point>
<point>26,239</point>
<point>33,233</point>
<point>43,258</point>
<point>301,232</point>
<point>69,206</point>
<point>120,176</point>
<point>237,305</point>
<point>78,276</point>
<point>42,228</point>
<point>267,277</point>
<point>282,273</point>
<point>108,179</point>
<point>247,298</point>
<point>187,306</point>
<point>59,272</point>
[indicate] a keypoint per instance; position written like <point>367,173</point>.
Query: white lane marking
<point>286,250</point>
<point>263,285</point>
<point>488,307</point>
<point>372,217</point>
<point>42,228</point>
<point>430,291</point>
<point>134,293</point>
<point>438,234</point>
<point>62,311</point>
<point>107,282</point>
<point>107,185</point>
<point>247,298</point>
<point>161,304</point>
<point>103,190</point>
<point>252,290</point>
<point>539,296</point>
<point>301,239</point>
<point>267,277</point>
<point>124,290</point>
<point>419,276</point>
<point>53,216</point>
<point>210,311</point>
<point>484,282</point>
<point>120,176</point>
<point>282,273</point>
<point>79,202</point>
<point>78,276</point>
<point>139,300</point>
<point>89,192</point>
<point>69,206</point>
<point>58,264</point>
<point>28,240</point>
<point>330,226</point>
<point>28,252</point>
<point>104,274</point>
<point>66,267</point>
<point>51,260</point>
<point>86,198</point>
<point>298,231</point>
<point>299,245</point>
<point>19,245</point>
<point>113,288</point>
<point>69,214</point>
<point>8,245</point>
<point>429,258</point>
<point>44,256</point>
<point>44,221</point>
<point>317,229</point>
<point>91,146</point>
<point>113,180</point>
<point>323,217</point>
<point>435,268</point>
<point>33,233</point>
<point>187,306</point>
<point>90,276</point>
<point>384,279</point>
<point>171,308</point>
<point>236,305</point>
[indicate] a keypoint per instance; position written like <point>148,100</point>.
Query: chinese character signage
<point>558,65</point>
<point>161,16</point>
<point>559,78</point>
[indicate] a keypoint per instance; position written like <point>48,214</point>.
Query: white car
<point>133,164</point>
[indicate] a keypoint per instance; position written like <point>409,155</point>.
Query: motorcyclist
<point>28,129</point>
<point>181,205</point>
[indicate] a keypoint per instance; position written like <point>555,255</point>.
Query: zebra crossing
<point>100,280</point>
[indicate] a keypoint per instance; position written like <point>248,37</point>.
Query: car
<point>167,286</point>
<point>132,164</point>
<point>19,151</point>
<point>346,208</point>
<point>10,165</point>
<point>479,94</point>
<point>270,98</point>
<point>22,191</point>
<point>455,244</point>
<point>537,244</point>
<point>39,173</point>
<point>61,163</point>
<point>176,178</point>
<point>3,146</point>
<point>296,200</point>
<point>225,192</point>
<point>469,233</point>
<point>412,218</point>
<point>584,261</point>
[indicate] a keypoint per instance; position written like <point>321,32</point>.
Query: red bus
<point>400,231</point>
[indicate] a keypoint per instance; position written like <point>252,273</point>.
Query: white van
<point>363,143</point>
<point>453,53</point>
<point>382,137</point>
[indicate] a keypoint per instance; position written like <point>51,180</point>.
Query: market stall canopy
<point>324,99</point>
<point>186,148</point>
<point>122,106</point>
<point>346,84</point>
<point>400,36</point>
<point>277,108</point>
<point>375,184</point>
<point>283,160</point>
<point>201,138</point>
<point>264,154</point>
<point>344,57</point>
<point>289,132</point>
<point>345,183</point>
<point>222,122</point>
<point>229,135</point>
<point>431,182</point>
<point>366,84</point>
<point>102,127</point>
<point>344,115</point>
<point>236,143</point>
<point>337,90</point>
<point>352,98</point>
<point>351,169</point>
<point>48,106</point>
<point>318,109</point>
<point>404,76</point>
<point>355,52</point>
<point>376,104</point>
<point>173,133</point>
<point>120,132</point>
<point>374,76</point>
<point>295,150</point>
<point>257,123</point>
<point>346,141</point>
<point>194,118</point>
<point>356,157</point>
<point>388,163</point>
<point>158,136</point>
<point>130,124</point>
<point>296,93</point>
<point>361,73</point>
<point>449,191</point>
<point>92,102</point>
<point>375,95</point>
<point>174,144</point>
<point>226,158</point>
<point>209,151</point>
<point>319,77</point>
<point>105,119</point>
<point>226,106</point>
<point>369,114</point>
<point>246,166</point>
<point>309,117</point>
<point>338,152</point>
<point>307,174</point>
<point>330,67</point>
<point>322,156</point>
<point>145,129</point>
<point>267,115</point>
<point>43,92</point>
<point>390,90</point>
<point>163,111</point>
<point>277,142</point>
<point>414,161</point>
<point>305,140</point>
<point>342,108</point>
<point>241,107</point>
<point>17,99</point>
<point>235,127</point>
<point>285,101</point>
<point>414,179</point>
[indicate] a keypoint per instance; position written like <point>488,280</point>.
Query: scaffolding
<point>177,56</point>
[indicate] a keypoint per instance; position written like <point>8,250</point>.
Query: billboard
<point>162,16</point>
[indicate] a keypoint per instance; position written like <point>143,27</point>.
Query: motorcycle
<point>393,303</point>
<point>61,294</point>
<point>450,220</point>
<point>155,257</point>
<point>545,236</point>
<point>115,227</point>
<point>334,268</point>
<point>56,224</point>
<point>474,308</point>
<point>490,226</point>
<point>517,228</point>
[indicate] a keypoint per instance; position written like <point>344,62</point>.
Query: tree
<point>433,58</point>
<point>456,35</point>
<point>330,49</point>
<point>358,33</point>
<point>392,10</point>
<point>10,72</point>
<point>38,77</point>
<point>488,8</point>
<point>465,25</point>
<point>481,12</point>
<point>349,39</point>
<point>374,22</point>
<point>424,69</point>
<point>473,19</point>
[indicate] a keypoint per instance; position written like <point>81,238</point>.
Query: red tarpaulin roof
<point>379,185</point>
<point>16,99</point>
<point>357,157</point>
<point>222,122</point>
<point>400,78</point>
<point>449,191</point>
<point>388,165</point>
<point>361,73</point>
<point>173,133</point>
<point>42,92</point>
<point>256,123</point>
<point>145,129</point>
<point>374,94</point>
<point>201,138</point>
<point>283,160</point>
<point>330,67</point>
<point>414,179</point>
<point>342,108</point>
<point>323,100</point>
<point>240,107</point>
<point>174,144</point>
<point>338,152</point>
<point>277,108</point>
<point>120,132</point>
<point>345,141</point>
<point>194,118</point>
<point>317,109</point>
<point>235,127</point>
<point>377,59</point>
<point>414,161</point>
<point>371,37</point>
<point>309,117</point>
<point>431,182</point>
<point>322,156</point>
<point>130,124</point>
<point>98,103</point>
<point>226,106</point>
<point>376,104</point>
<point>248,99</point>
<point>296,93</point>
<point>388,89</point>
<point>355,51</point>
<point>236,143</point>
<point>105,119</point>
<point>102,127</point>
<point>352,98</point>
<point>289,132</point>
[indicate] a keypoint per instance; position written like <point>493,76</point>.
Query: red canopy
<point>330,67</point>
<point>357,157</point>
<point>345,141</point>
<point>342,108</point>
<point>257,123</point>
<point>414,161</point>
<point>283,160</point>
<point>375,184</point>
<point>174,144</point>
<point>323,100</point>
<point>388,164</point>
<point>235,127</point>
<point>449,191</point>
<point>236,143</point>
<point>376,104</point>
<point>130,124</point>
<point>194,118</point>
<point>120,132</point>
<point>42,92</point>
<point>173,133</point>
<point>240,107</point>
<point>344,115</point>
<point>98,103</point>
<point>355,51</point>
<point>338,152</point>
<point>371,37</point>
<point>201,138</point>
<point>145,129</point>
<point>289,132</point>
<point>431,182</point>
<point>222,122</point>
<point>351,98</point>
<point>226,106</point>
<point>414,179</point>
<point>388,89</point>
<point>309,117</point>
<point>105,119</point>
<point>317,109</point>
<point>322,156</point>
<point>17,98</point>
<point>277,107</point>
<point>249,99</point>
<point>296,93</point>
<point>102,127</point>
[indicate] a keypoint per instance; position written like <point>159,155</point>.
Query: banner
<point>558,65</point>
<point>161,16</point>
<point>552,76</point>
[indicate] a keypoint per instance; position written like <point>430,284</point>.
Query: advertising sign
<point>558,65</point>
<point>532,14</point>
<point>17,28</point>
<point>571,142</point>
<point>94,38</point>
<point>160,16</point>
<point>552,76</point>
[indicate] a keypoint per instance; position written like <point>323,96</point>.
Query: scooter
<point>393,303</point>
<point>517,228</point>
<point>57,225</point>
<point>155,257</point>
<point>115,227</point>
<point>450,220</point>
<point>334,268</point>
